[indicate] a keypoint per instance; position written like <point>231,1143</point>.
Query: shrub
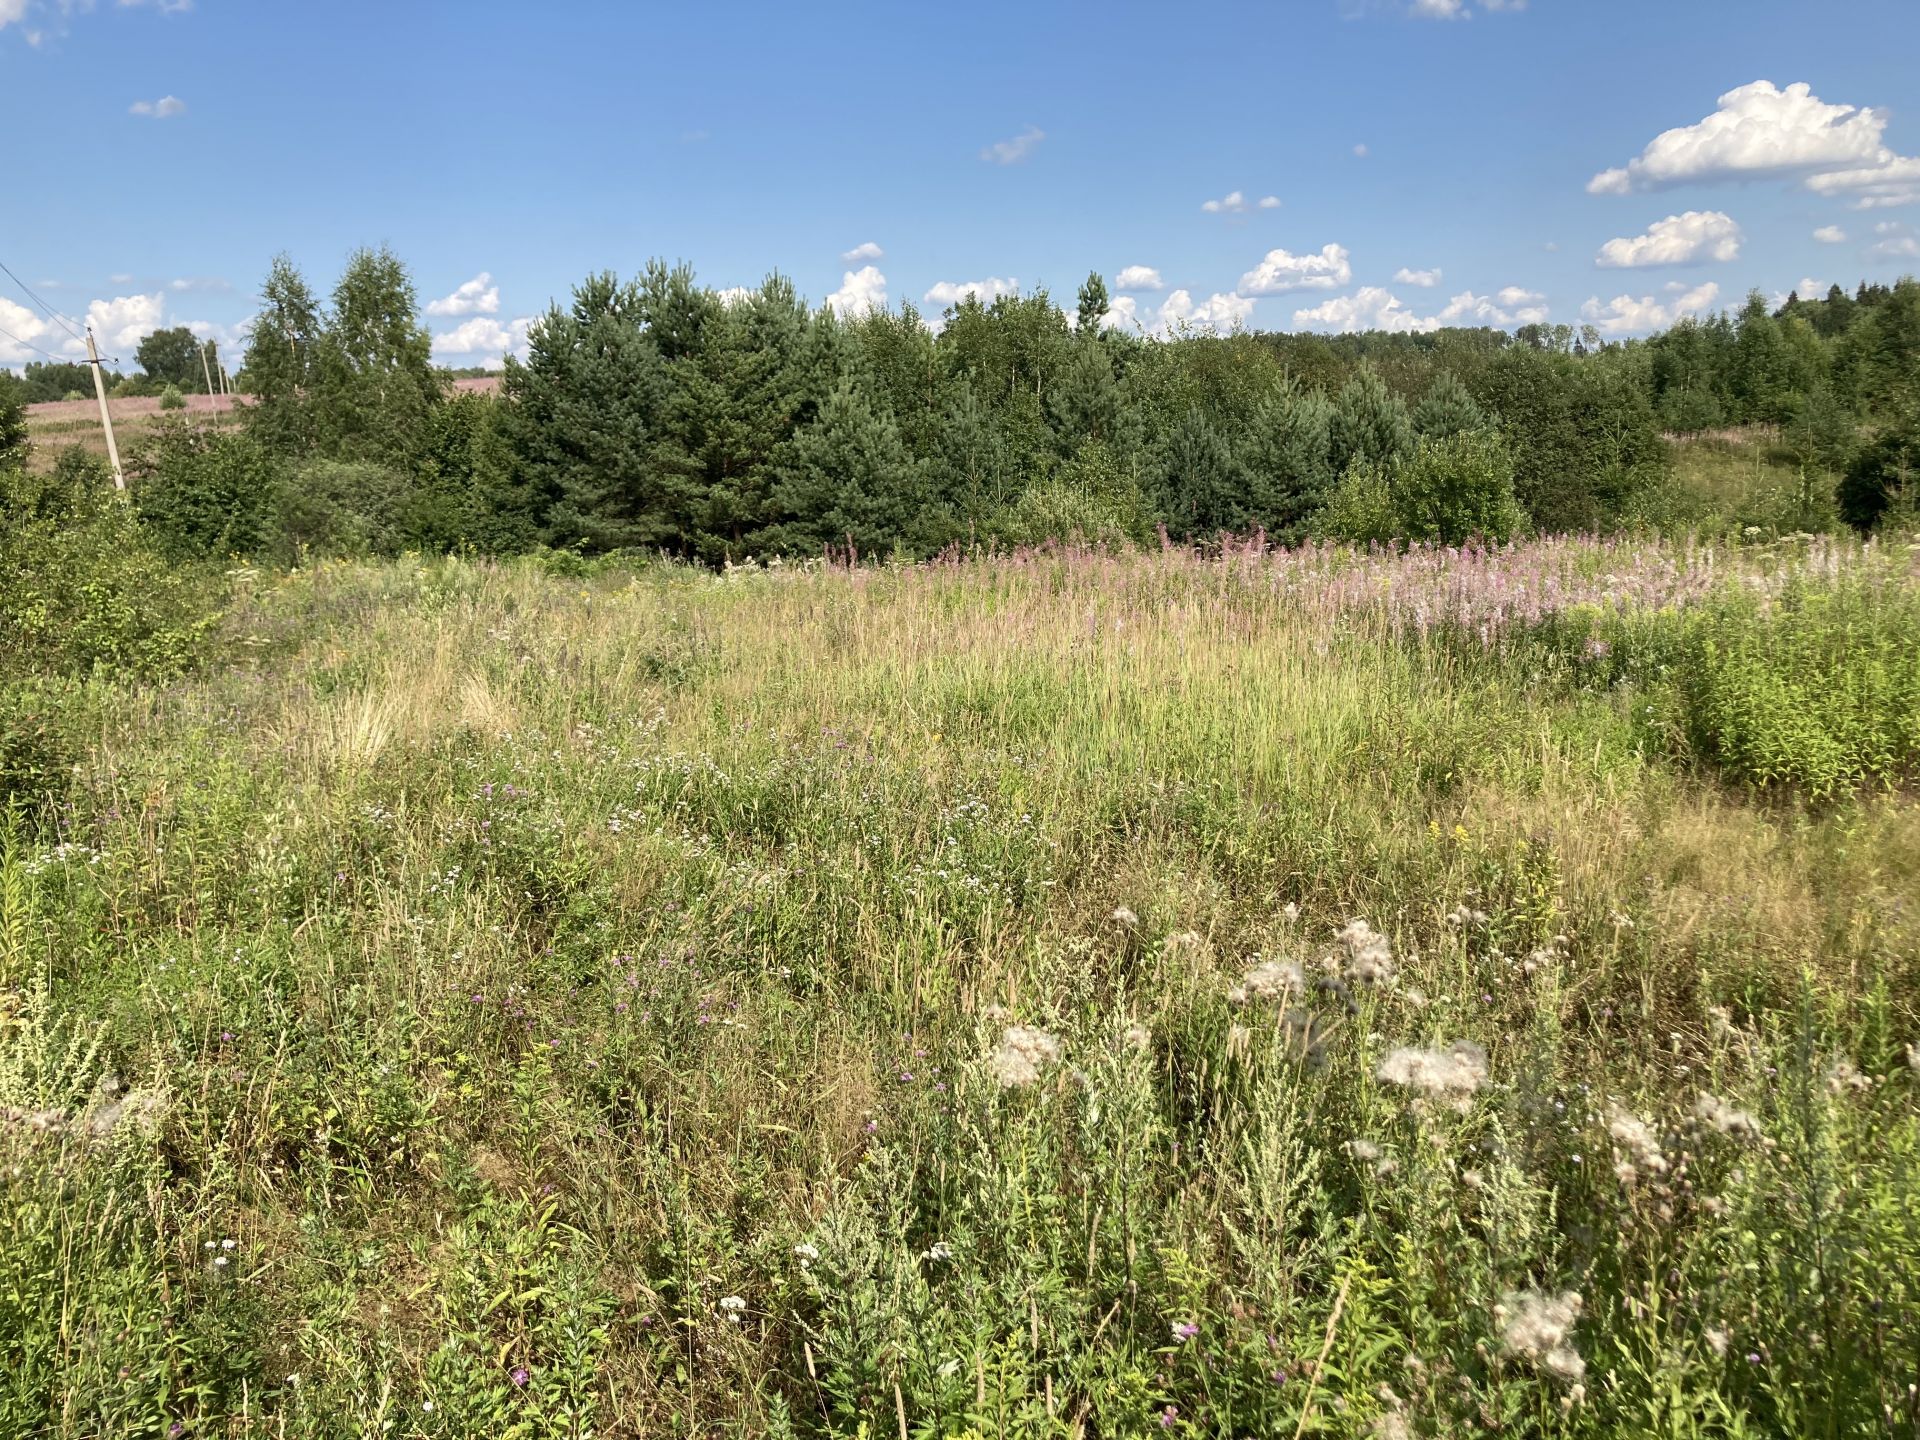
<point>172,399</point>
<point>201,493</point>
<point>1447,491</point>
<point>80,583</point>
<point>1882,476</point>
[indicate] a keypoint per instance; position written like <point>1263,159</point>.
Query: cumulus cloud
<point>482,340</point>
<point>207,283</point>
<point>868,251</point>
<point>1636,315</point>
<point>165,108</point>
<point>1426,279</point>
<point>1139,277</point>
<point>952,292</point>
<point>860,291</point>
<point>1012,152</point>
<point>1282,271</point>
<point>1695,238</point>
<point>1371,307</point>
<point>1510,305</point>
<point>1760,131</point>
<point>1219,312</point>
<point>1830,235</point>
<point>25,328</point>
<point>1896,242</point>
<point>1232,203</point>
<point>123,322</point>
<point>479,296</point>
<point>1458,9</point>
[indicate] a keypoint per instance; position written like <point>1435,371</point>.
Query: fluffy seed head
<point>1454,1074</point>
<point>1535,1328</point>
<point>1717,1114</point>
<point>1025,1053</point>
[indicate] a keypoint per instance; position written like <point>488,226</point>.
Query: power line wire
<point>31,346</point>
<point>58,318</point>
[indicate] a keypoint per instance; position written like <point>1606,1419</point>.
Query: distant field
<point>56,424</point>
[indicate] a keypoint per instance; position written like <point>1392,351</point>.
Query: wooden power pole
<point>213,400</point>
<point>106,416</point>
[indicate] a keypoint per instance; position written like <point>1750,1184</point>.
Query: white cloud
<point>1371,307</point>
<point>1139,277</point>
<point>869,250</point>
<point>1360,152</point>
<point>1441,10</point>
<point>123,322</point>
<point>210,283</point>
<point>165,108</point>
<point>1830,235</point>
<point>482,340</point>
<point>1510,305</point>
<point>1221,312</point>
<point>479,296</point>
<point>1269,202</point>
<point>1125,315</point>
<point>27,328</point>
<point>1761,131</point>
<point>1631,315</point>
<point>952,292</point>
<point>733,294</point>
<point>1427,279</point>
<point>860,291</point>
<point>1012,152</point>
<point>230,340</point>
<point>1695,238</point>
<point>1896,244</point>
<point>1282,271</point>
<point>12,11</point>
<point>1232,203</point>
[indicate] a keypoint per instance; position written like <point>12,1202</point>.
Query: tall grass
<point>510,1003</point>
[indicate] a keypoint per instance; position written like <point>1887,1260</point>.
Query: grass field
<point>1060,995</point>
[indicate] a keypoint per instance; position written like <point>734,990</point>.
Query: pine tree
<point>970,471</point>
<point>1288,456</point>
<point>1202,485</point>
<point>1446,409</point>
<point>848,479</point>
<point>583,424</point>
<point>1094,304</point>
<point>1084,403</point>
<point>1370,423</point>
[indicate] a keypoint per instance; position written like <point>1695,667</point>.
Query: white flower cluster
<point>1453,1075</point>
<point>1369,958</point>
<point>1270,980</point>
<point>1639,1146</point>
<point>1717,1114</point>
<point>1025,1054</point>
<point>1535,1328</point>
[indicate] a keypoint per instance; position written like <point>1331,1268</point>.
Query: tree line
<point>654,413</point>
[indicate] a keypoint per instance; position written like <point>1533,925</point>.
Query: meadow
<point>1305,992</point>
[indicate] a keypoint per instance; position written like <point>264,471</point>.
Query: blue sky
<point>163,151</point>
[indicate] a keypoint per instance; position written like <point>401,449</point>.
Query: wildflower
<point>731,1306</point>
<point>938,1251</point>
<point>1535,1327</point>
<point>1454,1074</point>
<point>1913,1057</point>
<point>1169,1417</point>
<point>426,1407</point>
<point>1123,916</point>
<point>1718,1115</point>
<point>1391,1426</point>
<point>1024,1053</point>
<point>1269,980</point>
<point>1185,942</point>
<point>1718,1340</point>
<point>519,1377</point>
<point>806,1253</point>
<point>1369,955</point>
<point>1637,1140</point>
<point>1842,1077</point>
<point>1184,1330</point>
<point>1365,1151</point>
<point>1138,1037</point>
<point>1290,911</point>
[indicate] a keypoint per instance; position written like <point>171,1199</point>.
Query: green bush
<point>1447,491</point>
<point>204,494</point>
<point>172,399</point>
<point>1819,691</point>
<point>336,507</point>
<point>81,585</point>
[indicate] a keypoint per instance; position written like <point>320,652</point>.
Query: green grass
<point>506,972</point>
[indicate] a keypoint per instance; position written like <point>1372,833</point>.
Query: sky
<point>1296,164</point>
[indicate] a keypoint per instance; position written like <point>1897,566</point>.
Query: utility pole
<point>106,416</point>
<point>207,370</point>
